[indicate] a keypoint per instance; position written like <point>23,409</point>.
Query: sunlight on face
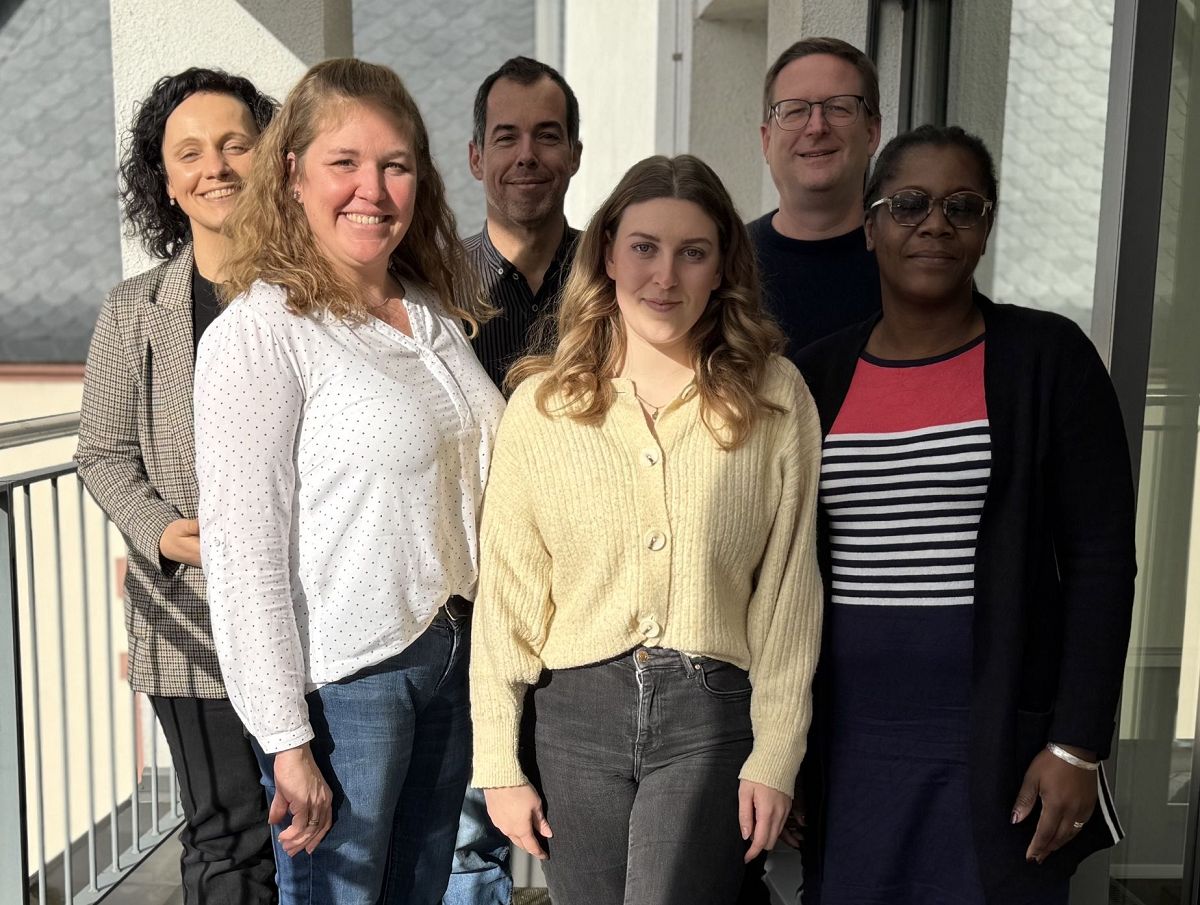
<point>358,184</point>
<point>665,263</point>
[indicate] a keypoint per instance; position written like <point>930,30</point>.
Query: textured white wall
<point>611,62</point>
<point>271,42</point>
<point>1052,157</point>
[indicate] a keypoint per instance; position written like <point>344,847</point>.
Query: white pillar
<point>729,60</point>
<point>611,57</point>
<point>271,42</point>
<point>548,32</point>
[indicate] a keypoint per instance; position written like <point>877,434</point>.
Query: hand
<point>761,812</point>
<point>301,789</point>
<point>795,822</point>
<point>1068,796</point>
<point>517,813</point>
<point>180,542</point>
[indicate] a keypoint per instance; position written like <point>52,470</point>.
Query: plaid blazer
<point>136,455</point>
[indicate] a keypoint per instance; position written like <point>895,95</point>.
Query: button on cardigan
<point>341,469</point>
<point>601,538</point>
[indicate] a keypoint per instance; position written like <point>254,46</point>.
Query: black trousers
<point>754,885</point>
<point>637,759</point>
<point>227,855</point>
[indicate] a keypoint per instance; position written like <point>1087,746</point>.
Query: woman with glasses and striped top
<point>976,510</point>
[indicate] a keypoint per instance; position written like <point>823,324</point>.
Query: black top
<point>504,339</point>
<point>1054,572</point>
<point>206,305</point>
<point>815,288</point>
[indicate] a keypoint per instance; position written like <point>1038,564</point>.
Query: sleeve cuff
<point>282,741</point>
<point>1083,734</point>
<point>495,760</point>
<point>498,776</point>
<point>149,532</point>
<point>774,768</point>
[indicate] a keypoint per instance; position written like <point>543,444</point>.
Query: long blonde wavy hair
<point>269,235</point>
<point>731,342</point>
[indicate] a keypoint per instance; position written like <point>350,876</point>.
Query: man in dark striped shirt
<point>524,150</point>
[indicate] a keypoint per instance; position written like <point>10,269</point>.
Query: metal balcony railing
<point>82,797</point>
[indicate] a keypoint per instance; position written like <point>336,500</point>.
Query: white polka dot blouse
<point>341,470</point>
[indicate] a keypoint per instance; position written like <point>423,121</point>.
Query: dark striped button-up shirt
<point>505,338</point>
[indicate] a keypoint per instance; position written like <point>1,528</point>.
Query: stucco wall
<point>271,42</point>
<point>727,72</point>
<point>791,20</point>
<point>611,61</point>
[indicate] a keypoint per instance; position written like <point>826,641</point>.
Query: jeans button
<point>642,656</point>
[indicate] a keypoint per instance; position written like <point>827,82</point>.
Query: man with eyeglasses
<point>820,128</point>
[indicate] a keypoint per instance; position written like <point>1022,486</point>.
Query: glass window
<point>1157,729</point>
<point>1031,79</point>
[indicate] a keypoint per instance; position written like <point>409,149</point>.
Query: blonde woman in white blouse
<point>343,429</point>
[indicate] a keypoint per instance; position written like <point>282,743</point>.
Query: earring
<point>296,195</point>
<point>172,200</point>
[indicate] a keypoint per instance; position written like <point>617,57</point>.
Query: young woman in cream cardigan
<point>648,565</point>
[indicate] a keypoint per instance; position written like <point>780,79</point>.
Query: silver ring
<point>1079,824</point>
<point>318,823</point>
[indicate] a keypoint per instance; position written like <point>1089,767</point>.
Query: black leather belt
<point>457,607</point>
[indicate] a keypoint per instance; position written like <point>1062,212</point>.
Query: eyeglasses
<point>962,210</point>
<point>793,114</point>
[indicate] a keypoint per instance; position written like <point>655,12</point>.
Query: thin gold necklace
<point>654,409</point>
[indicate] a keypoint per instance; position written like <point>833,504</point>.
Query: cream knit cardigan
<point>597,539</point>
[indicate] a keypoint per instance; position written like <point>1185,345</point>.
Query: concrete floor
<point>155,881</point>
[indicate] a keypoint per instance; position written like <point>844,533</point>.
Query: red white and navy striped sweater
<point>903,480</point>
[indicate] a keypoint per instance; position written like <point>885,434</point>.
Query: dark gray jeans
<point>637,759</point>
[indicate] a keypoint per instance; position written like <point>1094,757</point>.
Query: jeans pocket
<point>722,680</point>
<point>455,634</point>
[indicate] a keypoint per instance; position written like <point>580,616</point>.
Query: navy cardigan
<point>1054,570</point>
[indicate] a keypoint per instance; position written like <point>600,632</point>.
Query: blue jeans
<point>481,873</point>
<point>393,742</point>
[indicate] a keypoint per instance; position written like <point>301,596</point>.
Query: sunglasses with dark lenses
<point>963,210</point>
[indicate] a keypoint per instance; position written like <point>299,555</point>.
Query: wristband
<point>1063,754</point>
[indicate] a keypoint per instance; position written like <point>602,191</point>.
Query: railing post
<point>14,855</point>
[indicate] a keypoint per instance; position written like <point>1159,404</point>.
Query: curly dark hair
<point>888,161</point>
<point>149,214</point>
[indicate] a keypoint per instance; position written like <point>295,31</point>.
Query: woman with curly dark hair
<point>188,150</point>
